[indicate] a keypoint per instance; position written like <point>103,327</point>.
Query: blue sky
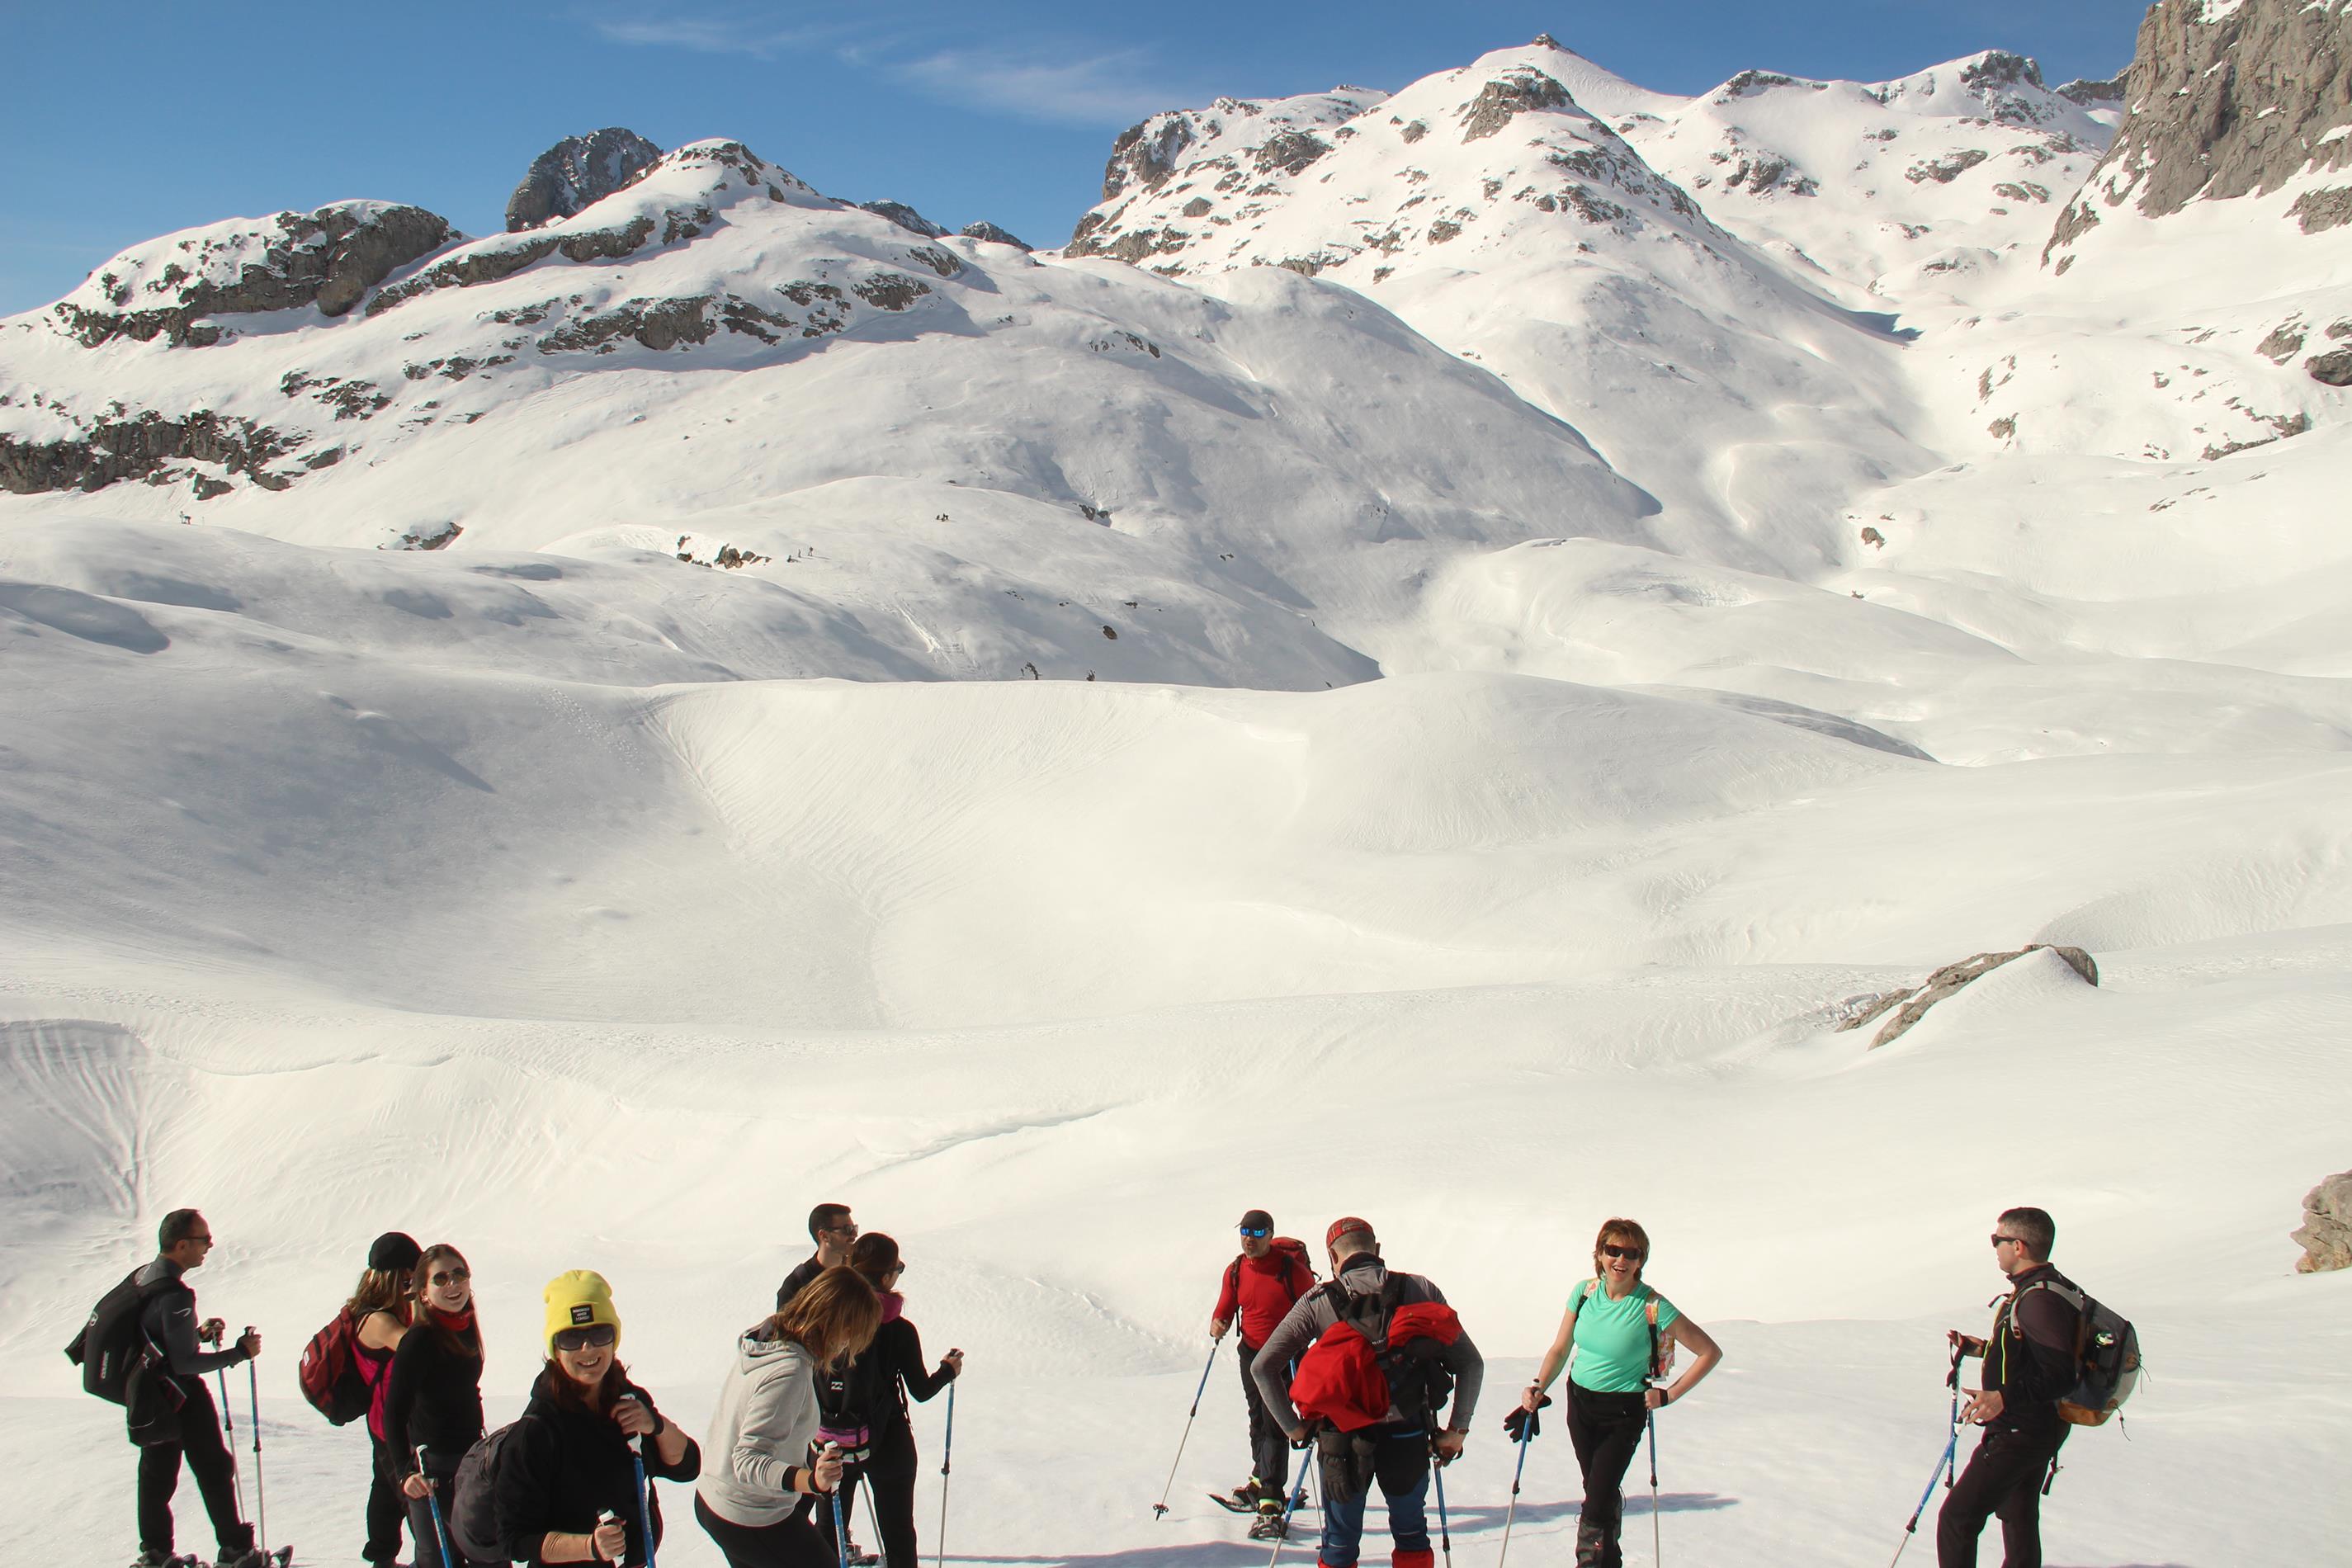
<point>138,119</point>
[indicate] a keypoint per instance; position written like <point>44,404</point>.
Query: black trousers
<point>1269,1449</point>
<point>1606,1430</point>
<point>159,1477</point>
<point>2003,1477</point>
<point>888,1470</point>
<point>420,1515</point>
<point>790,1543</point>
<point>385,1507</point>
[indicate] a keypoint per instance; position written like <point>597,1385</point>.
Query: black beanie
<point>395,1252</point>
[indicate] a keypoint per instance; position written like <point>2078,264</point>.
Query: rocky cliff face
<point>329,258</point>
<point>2224,98</point>
<point>577,172</point>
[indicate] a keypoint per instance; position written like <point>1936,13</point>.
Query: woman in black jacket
<point>570,1459</point>
<point>869,1399</point>
<point>433,1405</point>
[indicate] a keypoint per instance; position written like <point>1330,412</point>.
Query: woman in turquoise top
<point>1616,1325</point>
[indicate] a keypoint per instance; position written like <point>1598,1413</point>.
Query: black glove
<point>1521,1417</point>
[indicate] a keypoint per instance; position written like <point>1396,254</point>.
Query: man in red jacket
<point>1261,1287</point>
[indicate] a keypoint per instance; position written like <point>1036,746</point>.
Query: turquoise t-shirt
<point>1612,1338</point>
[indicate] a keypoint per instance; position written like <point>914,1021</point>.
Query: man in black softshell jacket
<point>833,1230</point>
<point>2029,1365</point>
<point>183,1421</point>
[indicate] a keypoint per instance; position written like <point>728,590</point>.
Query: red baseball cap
<point>1342,1227</point>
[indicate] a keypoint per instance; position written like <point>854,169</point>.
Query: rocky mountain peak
<point>904,217</point>
<point>2227,98</point>
<point>984,230</point>
<point>577,172</point>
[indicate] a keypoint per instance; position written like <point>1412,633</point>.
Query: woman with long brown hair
<point>1623,1334</point>
<point>380,1307</point>
<point>755,1500</point>
<point>570,1460</point>
<point>865,1405</point>
<point>432,1411</point>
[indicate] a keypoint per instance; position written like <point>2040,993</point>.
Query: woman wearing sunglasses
<point>569,1461</point>
<point>755,1500</point>
<point>1623,1334</point>
<point>432,1409</point>
<point>874,1390</point>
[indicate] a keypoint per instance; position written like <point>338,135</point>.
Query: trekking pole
<point>1297,1496</point>
<point>1512,1512</point>
<point>1445,1534</point>
<point>1657,1549</point>
<point>947,1459</point>
<point>228,1420</point>
<point>1952,1459</point>
<point>433,1498</point>
<point>644,1494</point>
<point>840,1529</point>
<point>260,1486</point>
<point>1950,1444</point>
<point>1160,1508</point>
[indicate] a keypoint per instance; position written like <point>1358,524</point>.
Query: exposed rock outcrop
<point>1145,155</point>
<point>577,172</point>
<point>109,450</point>
<point>2222,101</point>
<point>1502,101</point>
<point>2325,1233</point>
<point>904,217</point>
<point>329,258</point>
<point>1911,1005</point>
<point>988,232</point>
<point>2087,92</point>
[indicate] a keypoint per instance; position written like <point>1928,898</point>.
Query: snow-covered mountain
<point>1423,665</point>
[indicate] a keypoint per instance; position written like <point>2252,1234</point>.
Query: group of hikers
<point>1370,1368</point>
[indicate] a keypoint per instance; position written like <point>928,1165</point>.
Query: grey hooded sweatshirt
<point>1362,1275</point>
<point>760,1432</point>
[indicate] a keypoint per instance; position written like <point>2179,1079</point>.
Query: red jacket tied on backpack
<point>1264,1289</point>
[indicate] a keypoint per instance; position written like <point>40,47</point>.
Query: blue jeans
<point>1400,1462</point>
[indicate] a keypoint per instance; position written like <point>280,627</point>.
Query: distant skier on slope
<point>2029,1365</point>
<point>1260,1287</point>
<point>173,1417</point>
<point>1378,1353</point>
<point>1623,1333</point>
<point>830,1227</point>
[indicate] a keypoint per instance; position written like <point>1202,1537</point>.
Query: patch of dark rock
<point>577,172</point>
<point>1415,132</point>
<point>110,451</point>
<point>2285,340</point>
<point>1290,152</point>
<point>2325,1233</point>
<point>904,217</point>
<point>1199,207</point>
<point>1752,81</point>
<point>1443,230</point>
<point>2087,92</point>
<point>1502,101</point>
<point>937,260</point>
<point>1945,169</point>
<point>1145,155</point>
<point>2317,211</point>
<point>889,290</point>
<point>489,265</point>
<point>2333,368</point>
<point>326,459</point>
<point>992,235</point>
<point>1766,173</point>
<point>655,324</point>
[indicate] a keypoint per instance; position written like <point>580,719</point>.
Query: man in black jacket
<point>2030,1364</point>
<point>192,1429</point>
<point>834,1231</point>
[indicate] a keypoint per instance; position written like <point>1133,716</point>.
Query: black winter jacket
<point>2030,1356</point>
<point>565,1466</point>
<point>892,1360</point>
<point>433,1402</point>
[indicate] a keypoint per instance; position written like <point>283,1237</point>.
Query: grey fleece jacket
<point>760,1432</point>
<point>1362,1275</point>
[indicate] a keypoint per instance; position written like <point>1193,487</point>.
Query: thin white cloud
<point>710,36</point>
<point>1109,87</point>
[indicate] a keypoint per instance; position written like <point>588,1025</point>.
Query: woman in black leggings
<point>868,1401</point>
<point>1623,1334</point>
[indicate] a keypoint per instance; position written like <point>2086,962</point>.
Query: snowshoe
<point>1241,1499</point>
<point>255,1557</point>
<point>166,1560</point>
<point>1269,1527</point>
<point>861,1558</point>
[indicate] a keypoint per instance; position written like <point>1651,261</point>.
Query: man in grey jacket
<point>1396,1450</point>
<point>168,1325</point>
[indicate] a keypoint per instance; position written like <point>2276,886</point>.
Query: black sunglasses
<point>1613,1250</point>
<point>586,1339</point>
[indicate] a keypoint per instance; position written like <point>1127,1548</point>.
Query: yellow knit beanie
<point>579,1300</point>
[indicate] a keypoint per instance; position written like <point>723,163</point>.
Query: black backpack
<point>2106,1356</point>
<point>848,1398</point>
<point>1419,1384</point>
<point>472,1520</point>
<point>111,1344</point>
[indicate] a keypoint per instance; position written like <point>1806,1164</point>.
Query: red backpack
<point>1378,1351</point>
<point>330,1375</point>
<point>1288,1245</point>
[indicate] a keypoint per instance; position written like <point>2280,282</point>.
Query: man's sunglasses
<point>1255,1232</point>
<point>2013,1241</point>
<point>1613,1250</point>
<point>597,1337</point>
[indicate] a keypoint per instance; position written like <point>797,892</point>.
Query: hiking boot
<point>1592,1546</point>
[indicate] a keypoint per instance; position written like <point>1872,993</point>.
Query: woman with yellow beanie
<point>755,1502</point>
<point>570,1459</point>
